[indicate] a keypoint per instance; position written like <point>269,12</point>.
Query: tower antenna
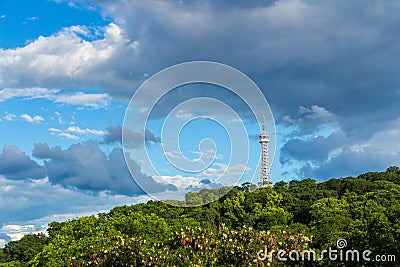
<point>264,140</point>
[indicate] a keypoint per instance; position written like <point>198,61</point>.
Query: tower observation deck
<point>264,140</point>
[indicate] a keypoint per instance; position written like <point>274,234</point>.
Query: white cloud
<point>27,93</point>
<point>66,60</point>
<point>205,154</point>
<point>55,130</point>
<point>32,18</point>
<point>387,140</point>
<point>59,117</point>
<point>179,180</point>
<point>225,174</point>
<point>77,130</point>
<point>68,136</point>
<point>208,154</point>
<point>95,100</point>
<point>338,155</point>
<point>72,131</point>
<point>22,205</point>
<point>173,154</point>
<point>220,168</point>
<point>9,117</point>
<point>34,119</point>
<point>16,232</point>
<point>316,112</point>
<point>3,16</point>
<point>85,166</point>
<point>310,120</point>
<point>182,115</point>
<point>82,99</point>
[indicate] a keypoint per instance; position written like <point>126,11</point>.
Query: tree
<point>393,169</point>
<point>23,250</point>
<point>263,209</point>
<point>331,218</point>
<point>228,231</point>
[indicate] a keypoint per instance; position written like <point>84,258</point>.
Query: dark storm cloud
<point>42,151</point>
<point>340,56</point>
<point>86,167</point>
<point>114,134</point>
<point>319,63</point>
<point>349,163</point>
<point>16,165</point>
<point>311,149</point>
<point>340,155</point>
<point>309,120</point>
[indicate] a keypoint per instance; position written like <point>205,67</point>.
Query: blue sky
<point>328,69</point>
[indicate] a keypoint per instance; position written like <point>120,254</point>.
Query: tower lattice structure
<point>264,140</point>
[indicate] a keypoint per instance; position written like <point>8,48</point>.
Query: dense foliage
<point>299,215</point>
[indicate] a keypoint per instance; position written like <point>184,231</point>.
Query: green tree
<point>331,220</point>
<point>264,210</point>
<point>23,250</point>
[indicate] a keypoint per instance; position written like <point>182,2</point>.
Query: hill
<point>353,213</point>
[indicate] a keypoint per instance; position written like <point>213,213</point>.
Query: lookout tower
<point>264,140</point>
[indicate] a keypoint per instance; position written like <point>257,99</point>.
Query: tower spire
<point>264,140</point>
<point>263,123</point>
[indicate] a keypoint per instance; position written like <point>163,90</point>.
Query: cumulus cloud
<point>319,147</point>
<point>34,119</point>
<point>27,199</point>
<point>315,70</point>
<point>75,129</point>
<point>202,157</point>
<point>132,138</point>
<point>82,99</point>
<point>283,45</point>
<point>114,134</point>
<point>16,232</point>
<point>338,155</point>
<point>68,136</point>
<point>350,162</point>
<point>310,119</point>
<point>67,60</point>
<point>316,148</point>
<point>87,167</point>
<point>182,181</point>
<point>5,239</point>
<point>72,132</point>
<point>184,115</point>
<point>224,174</point>
<point>95,100</point>
<point>175,154</point>
<point>9,116</point>
<point>16,165</point>
<point>28,93</point>
<point>208,154</point>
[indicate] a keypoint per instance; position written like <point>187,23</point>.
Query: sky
<point>329,71</point>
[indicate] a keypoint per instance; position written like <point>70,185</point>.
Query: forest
<point>243,228</point>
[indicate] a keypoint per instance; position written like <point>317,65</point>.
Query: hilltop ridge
<point>306,214</point>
